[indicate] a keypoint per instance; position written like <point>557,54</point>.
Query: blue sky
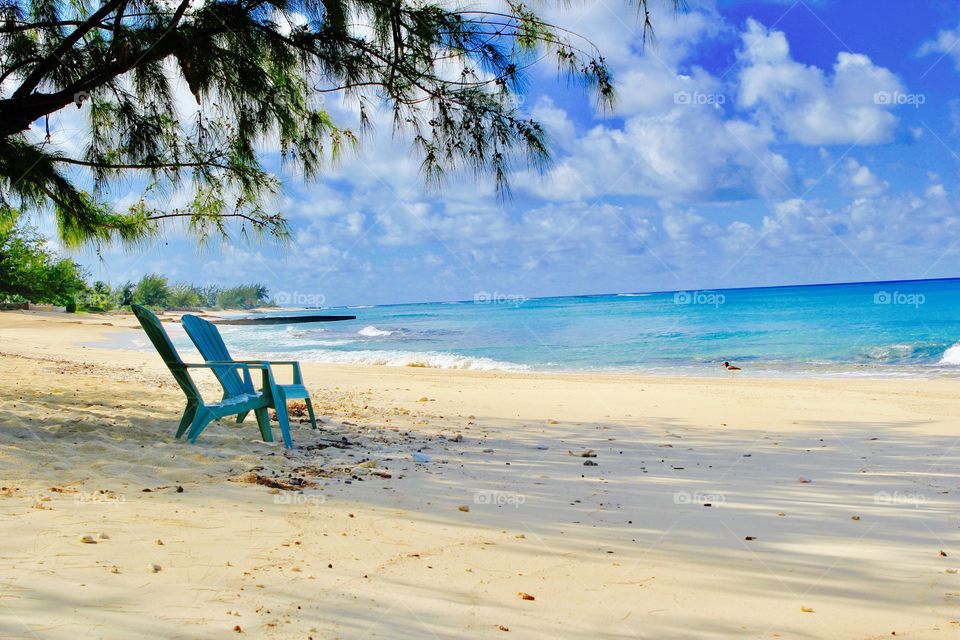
<point>757,143</point>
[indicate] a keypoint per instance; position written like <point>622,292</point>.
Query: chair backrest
<point>161,341</point>
<point>210,344</point>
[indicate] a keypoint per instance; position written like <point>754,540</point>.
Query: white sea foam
<point>951,356</point>
<point>633,295</point>
<point>303,333</point>
<point>431,359</point>
<point>371,331</point>
<point>892,352</point>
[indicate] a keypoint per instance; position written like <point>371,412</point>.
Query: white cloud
<point>859,181</point>
<point>809,106</point>
<point>678,138</point>
<point>946,44</point>
<point>688,152</point>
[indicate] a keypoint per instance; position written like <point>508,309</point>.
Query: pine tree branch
<point>41,70</point>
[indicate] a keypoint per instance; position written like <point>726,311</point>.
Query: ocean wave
<point>634,295</point>
<point>430,359</point>
<point>294,331</point>
<point>913,353</point>
<point>951,356</point>
<point>371,331</point>
<point>293,344</point>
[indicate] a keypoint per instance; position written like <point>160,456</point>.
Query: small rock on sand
<point>464,508</point>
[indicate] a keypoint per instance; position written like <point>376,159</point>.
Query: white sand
<point>624,549</point>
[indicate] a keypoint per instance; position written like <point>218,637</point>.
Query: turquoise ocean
<point>909,328</point>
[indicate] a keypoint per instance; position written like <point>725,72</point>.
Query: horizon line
<point>660,291</point>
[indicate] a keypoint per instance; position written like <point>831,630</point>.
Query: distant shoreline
<point>121,332</point>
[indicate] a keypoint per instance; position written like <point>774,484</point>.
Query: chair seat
<point>239,399</point>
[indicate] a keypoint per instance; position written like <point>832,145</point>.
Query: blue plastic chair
<point>209,343</point>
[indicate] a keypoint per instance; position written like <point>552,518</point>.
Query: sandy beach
<point>567,506</point>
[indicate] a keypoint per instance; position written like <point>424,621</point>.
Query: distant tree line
<point>31,272</point>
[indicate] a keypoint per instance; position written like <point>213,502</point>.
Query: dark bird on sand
<point>730,367</point>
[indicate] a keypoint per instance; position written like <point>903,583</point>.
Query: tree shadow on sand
<point>677,530</point>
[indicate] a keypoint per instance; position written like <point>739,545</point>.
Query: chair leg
<point>283,419</point>
<point>313,417</point>
<point>200,422</point>
<point>242,416</point>
<point>263,421</point>
<point>187,418</point>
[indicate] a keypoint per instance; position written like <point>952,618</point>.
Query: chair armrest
<point>260,364</point>
<point>267,384</point>
<point>295,365</point>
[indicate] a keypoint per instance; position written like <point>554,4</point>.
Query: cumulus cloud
<point>809,106</point>
<point>677,137</point>
<point>858,180</point>
<point>688,152</point>
<point>946,44</point>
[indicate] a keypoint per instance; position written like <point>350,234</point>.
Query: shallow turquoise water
<point>897,328</point>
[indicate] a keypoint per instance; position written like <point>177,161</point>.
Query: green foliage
<point>243,297</point>
<point>210,295</point>
<point>152,291</point>
<point>259,70</point>
<point>184,296</point>
<point>123,294</point>
<point>30,271</point>
<point>97,298</point>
